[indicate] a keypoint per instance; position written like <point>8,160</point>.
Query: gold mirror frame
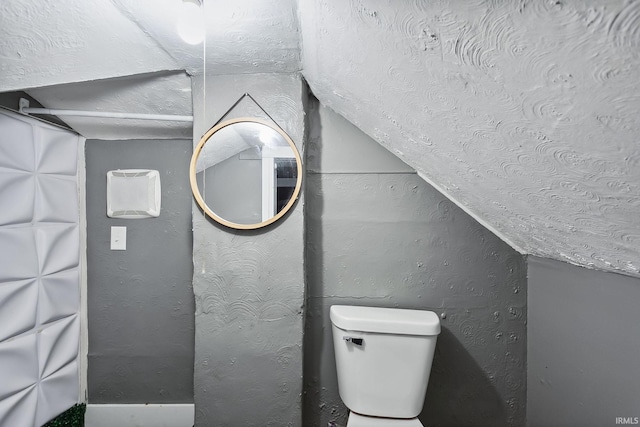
<point>199,198</point>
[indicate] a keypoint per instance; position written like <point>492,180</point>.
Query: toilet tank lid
<point>385,320</point>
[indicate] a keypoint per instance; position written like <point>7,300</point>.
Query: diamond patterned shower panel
<point>39,271</point>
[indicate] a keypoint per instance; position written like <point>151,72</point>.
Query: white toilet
<point>383,360</point>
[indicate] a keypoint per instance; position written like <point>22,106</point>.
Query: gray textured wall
<point>583,346</point>
<point>140,301</point>
<point>378,235</point>
<point>249,285</point>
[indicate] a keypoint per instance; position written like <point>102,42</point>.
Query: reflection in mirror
<point>245,173</point>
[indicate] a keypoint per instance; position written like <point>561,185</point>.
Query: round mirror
<point>245,173</point>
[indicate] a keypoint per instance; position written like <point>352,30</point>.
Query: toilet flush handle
<point>353,340</point>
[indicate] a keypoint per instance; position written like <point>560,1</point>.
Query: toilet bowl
<point>383,362</point>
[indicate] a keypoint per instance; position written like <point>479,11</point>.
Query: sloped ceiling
<point>165,92</point>
<point>126,56</point>
<point>48,42</point>
<point>526,112</point>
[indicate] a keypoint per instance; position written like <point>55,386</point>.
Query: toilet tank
<point>383,358</point>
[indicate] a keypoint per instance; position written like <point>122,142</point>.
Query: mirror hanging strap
<point>246,94</point>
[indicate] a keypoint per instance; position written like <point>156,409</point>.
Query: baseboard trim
<point>134,415</point>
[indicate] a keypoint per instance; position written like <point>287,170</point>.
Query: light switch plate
<point>118,238</point>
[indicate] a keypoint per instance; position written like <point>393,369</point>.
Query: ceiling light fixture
<point>190,23</point>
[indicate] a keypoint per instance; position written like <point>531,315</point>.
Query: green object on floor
<point>73,417</point>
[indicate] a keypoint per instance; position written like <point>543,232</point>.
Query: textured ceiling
<point>526,113</point>
<point>156,93</point>
<point>120,56</point>
<point>243,36</point>
<point>47,42</point>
